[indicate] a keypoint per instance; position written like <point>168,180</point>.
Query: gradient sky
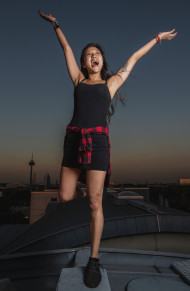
<point>150,136</point>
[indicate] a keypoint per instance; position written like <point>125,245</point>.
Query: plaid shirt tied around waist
<point>85,148</point>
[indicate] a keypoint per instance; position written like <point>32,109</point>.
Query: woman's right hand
<point>47,17</point>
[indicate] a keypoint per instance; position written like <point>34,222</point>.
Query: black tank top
<point>91,104</point>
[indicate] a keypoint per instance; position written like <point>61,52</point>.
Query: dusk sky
<point>150,136</point>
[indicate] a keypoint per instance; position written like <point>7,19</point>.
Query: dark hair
<point>105,75</point>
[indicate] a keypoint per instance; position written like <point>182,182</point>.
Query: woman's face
<point>93,60</point>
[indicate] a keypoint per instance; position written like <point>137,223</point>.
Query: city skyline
<point>152,143</point>
<point>39,177</point>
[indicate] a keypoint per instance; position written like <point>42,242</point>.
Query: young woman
<point>86,144</point>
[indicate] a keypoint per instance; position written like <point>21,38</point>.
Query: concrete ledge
<point>71,279</point>
<point>82,257</point>
<point>154,284</point>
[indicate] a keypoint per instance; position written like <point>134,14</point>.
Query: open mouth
<point>95,63</point>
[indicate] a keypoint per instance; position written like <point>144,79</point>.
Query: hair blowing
<point>105,75</point>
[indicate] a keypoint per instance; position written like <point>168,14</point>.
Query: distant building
<point>184,181</point>
<point>14,185</point>
<point>41,199</point>
<point>31,164</point>
<point>47,181</point>
<point>33,178</point>
<point>25,209</point>
<point>39,202</point>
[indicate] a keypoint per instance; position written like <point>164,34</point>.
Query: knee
<point>64,197</point>
<point>95,202</point>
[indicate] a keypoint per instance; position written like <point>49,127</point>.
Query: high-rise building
<point>33,178</point>
<point>31,164</point>
<point>47,181</point>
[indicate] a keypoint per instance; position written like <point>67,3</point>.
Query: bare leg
<point>95,186</point>
<point>68,181</point>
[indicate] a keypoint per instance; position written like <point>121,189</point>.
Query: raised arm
<point>121,76</point>
<point>73,69</point>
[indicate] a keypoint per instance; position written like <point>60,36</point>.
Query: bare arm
<point>72,66</point>
<point>121,76</point>
<point>73,69</point>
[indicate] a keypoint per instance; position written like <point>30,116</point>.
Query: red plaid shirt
<point>85,148</point>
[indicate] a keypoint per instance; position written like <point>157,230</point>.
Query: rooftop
<point>121,270</point>
<point>56,247</point>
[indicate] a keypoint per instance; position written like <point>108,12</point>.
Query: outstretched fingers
<point>172,35</point>
<point>42,14</point>
<point>168,35</point>
<point>48,17</point>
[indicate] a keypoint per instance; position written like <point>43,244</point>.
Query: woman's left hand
<point>168,34</point>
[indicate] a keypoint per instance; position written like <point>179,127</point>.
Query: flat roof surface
<point>66,225</point>
<point>42,270</point>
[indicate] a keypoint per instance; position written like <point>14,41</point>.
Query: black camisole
<point>91,104</point>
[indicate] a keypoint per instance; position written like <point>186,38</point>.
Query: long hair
<point>106,73</point>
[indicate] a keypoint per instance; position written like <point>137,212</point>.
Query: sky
<point>150,139</point>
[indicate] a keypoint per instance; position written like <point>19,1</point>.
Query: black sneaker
<point>92,274</point>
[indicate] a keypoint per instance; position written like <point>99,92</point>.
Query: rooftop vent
<point>122,198</point>
<point>144,205</point>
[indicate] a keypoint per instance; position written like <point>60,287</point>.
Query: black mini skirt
<point>99,155</point>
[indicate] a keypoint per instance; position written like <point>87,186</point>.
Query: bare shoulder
<point>113,83</point>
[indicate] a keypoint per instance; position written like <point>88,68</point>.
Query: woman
<point>86,145</point>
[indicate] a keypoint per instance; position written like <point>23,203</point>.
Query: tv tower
<point>31,164</point>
